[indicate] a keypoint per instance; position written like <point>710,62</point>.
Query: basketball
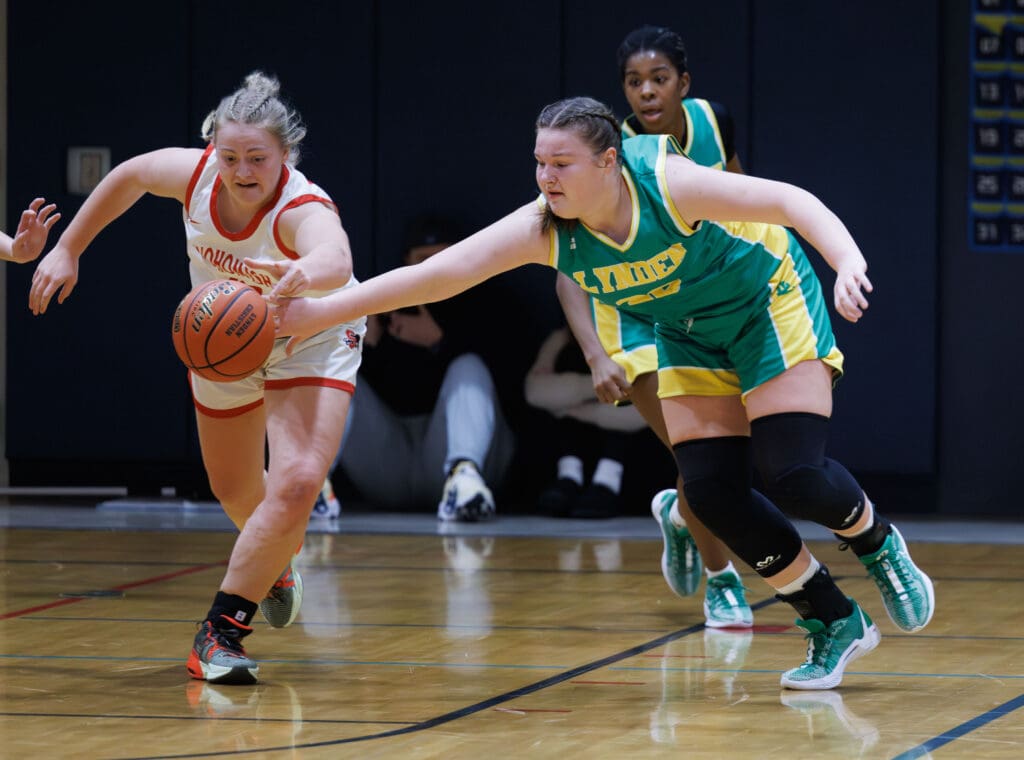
<point>222,330</point>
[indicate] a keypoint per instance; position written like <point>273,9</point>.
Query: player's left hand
<point>33,229</point>
<point>851,284</point>
<point>292,278</point>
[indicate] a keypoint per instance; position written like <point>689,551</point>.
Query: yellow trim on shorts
<point>790,317</point>
<point>697,381</point>
<point>606,324</point>
<point>640,361</point>
<point>835,360</point>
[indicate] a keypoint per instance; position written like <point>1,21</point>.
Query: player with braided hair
<point>252,216</point>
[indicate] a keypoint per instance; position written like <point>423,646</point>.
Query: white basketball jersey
<point>215,253</point>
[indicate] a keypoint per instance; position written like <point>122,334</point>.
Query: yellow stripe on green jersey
<point>734,298</point>
<point>627,338</point>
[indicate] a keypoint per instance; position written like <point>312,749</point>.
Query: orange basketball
<point>222,330</point>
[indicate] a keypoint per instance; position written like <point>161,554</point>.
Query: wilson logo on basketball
<point>204,309</point>
<point>229,332</point>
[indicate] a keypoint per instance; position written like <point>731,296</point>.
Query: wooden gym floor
<point>522,638</point>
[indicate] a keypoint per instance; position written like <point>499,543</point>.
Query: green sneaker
<point>830,649</point>
<point>680,561</point>
<point>907,592</point>
<point>725,604</point>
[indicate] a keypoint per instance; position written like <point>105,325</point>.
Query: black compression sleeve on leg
<point>717,475</point>
<point>789,452</point>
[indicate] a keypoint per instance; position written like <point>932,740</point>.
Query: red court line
<point>123,587</point>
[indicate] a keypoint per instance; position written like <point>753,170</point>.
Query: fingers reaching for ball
<point>292,279</point>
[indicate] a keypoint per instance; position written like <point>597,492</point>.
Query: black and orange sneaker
<point>218,656</point>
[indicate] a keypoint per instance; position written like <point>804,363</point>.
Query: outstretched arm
<point>508,243</point>
<point>30,237</point>
<point>165,173</point>
<point>701,193</point>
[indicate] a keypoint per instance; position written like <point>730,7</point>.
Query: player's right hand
<point>57,274</point>
<point>610,382</point>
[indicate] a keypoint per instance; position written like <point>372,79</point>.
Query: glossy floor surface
<point>521,638</point>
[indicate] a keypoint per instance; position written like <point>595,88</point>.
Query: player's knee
<point>789,449</point>
<point>300,489</point>
<point>826,494</point>
<point>717,476</point>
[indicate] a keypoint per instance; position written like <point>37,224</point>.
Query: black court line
<point>912,754</point>
<point>962,730</point>
<point>479,706</point>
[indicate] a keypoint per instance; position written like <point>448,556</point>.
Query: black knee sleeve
<point>789,452</point>
<point>717,475</point>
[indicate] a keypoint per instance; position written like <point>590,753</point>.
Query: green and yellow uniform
<point>733,304</point>
<point>627,338</point>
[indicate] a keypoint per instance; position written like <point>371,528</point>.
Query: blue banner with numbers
<point>996,142</point>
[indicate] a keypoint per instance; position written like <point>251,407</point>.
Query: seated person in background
<point>425,425</point>
<point>560,383</point>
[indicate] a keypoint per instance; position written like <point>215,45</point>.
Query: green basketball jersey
<point>665,269</point>
<point>704,143</point>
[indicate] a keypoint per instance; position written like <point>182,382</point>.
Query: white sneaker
<point>326,506</point>
<point>466,498</point>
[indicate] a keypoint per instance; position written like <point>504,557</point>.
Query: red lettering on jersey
<point>224,262</point>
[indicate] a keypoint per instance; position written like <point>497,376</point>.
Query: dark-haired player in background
<point>619,346</point>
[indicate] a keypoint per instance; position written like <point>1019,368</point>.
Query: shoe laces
<point>285,582</point>
<point>723,582</point>
<point>894,566</point>
<point>819,643</point>
<point>230,641</point>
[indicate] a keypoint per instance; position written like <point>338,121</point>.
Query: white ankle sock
<point>608,473</point>
<point>798,584</point>
<point>715,573</point>
<point>571,468</point>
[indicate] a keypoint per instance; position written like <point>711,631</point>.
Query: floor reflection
<point>694,669</point>
<point>826,715</point>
